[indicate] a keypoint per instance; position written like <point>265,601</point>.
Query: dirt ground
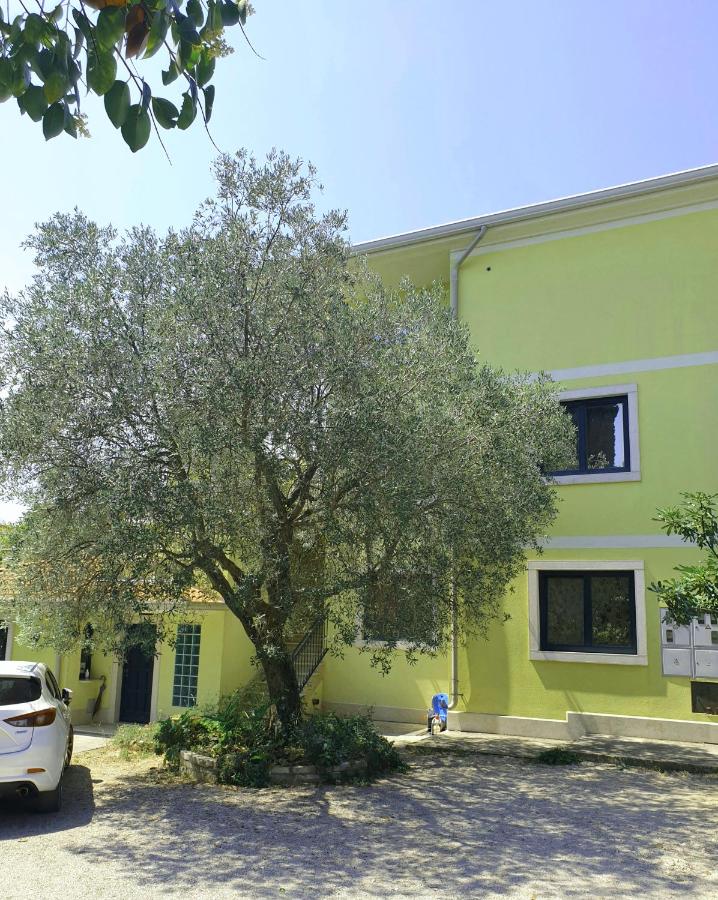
<point>456,825</point>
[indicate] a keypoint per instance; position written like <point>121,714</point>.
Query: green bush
<point>134,739</point>
<point>187,731</point>
<point>558,756</point>
<point>248,742</point>
<point>329,739</point>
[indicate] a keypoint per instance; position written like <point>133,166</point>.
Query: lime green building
<point>615,294</point>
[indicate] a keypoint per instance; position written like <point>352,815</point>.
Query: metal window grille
<point>184,687</point>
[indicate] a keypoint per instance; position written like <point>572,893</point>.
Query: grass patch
<point>558,756</point>
<point>134,740</point>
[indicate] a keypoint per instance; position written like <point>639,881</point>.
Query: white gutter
<point>536,210</point>
<point>454,302</point>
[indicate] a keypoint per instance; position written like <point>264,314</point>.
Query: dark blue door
<point>136,695</point>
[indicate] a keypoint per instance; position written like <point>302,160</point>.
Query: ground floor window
<point>587,611</point>
<point>591,612</point>
<point>184,686</point>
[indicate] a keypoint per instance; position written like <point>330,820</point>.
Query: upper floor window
<point>606,424</point>
<point>602,439</point>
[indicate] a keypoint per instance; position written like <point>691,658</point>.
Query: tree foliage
<point>241,406</point>
<point>695,591</point>
<point>48,57</point>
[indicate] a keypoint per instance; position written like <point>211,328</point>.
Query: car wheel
<point>70,745</point>
<point>49,801</point>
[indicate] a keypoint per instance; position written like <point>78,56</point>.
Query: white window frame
<point>634,474</point>
<point>639,658</point>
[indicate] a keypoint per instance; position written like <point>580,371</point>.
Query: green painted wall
<point>639,291</point>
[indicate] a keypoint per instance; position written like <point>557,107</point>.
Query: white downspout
<point>454,302</point>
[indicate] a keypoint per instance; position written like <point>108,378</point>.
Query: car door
<point>63,713</point>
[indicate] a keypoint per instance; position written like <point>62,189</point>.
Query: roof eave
<point>536,210</point>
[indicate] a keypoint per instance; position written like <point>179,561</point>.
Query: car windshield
<point>14,690</point>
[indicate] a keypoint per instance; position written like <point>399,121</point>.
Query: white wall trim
<point>614,542</point>
<point>655,364</point>
<point>8,644</point>
<point>634,449</point>
<point>155,687</point>
<point>486,248</point>
<point>640,658</point>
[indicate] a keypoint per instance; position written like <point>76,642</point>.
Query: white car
<point>35,734</point>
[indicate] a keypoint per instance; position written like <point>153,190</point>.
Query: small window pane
<point>564,619</point>
<point>611,610</point>
<point>604,436</point>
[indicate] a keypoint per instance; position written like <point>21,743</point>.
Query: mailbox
<point>690,651</point>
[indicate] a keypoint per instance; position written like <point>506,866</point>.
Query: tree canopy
<point>240,406</point>
<point>695,590</point>
<point>49,56</point>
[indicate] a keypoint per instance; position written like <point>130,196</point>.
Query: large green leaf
<point>170,75</point>
<point>165,112</point>
<point>101,71</point>
<point>35,29</point>
<point>53,121</point>
<point>230,13</point>
<point>7,72</point>
<point>33,102</point>
<point>136,127</point>
<point>110,26</point>
<point>188,112</point>
<point>208,101</point>
<point>117,103</point>
<point>57,85</point>
<point>205,68</point>
<point>195,12</point>
<point>158,32</point>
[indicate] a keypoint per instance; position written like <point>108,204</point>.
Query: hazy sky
<point>415,113</point>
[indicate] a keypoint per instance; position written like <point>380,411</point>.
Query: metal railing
<point>310,651</point>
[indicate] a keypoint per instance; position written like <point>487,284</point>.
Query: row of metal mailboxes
<point>690,650</point>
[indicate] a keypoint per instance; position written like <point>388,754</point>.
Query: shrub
<point>134,739</point>
<point>187,731</point>
<point>249,742</point>
<point>558,756</point>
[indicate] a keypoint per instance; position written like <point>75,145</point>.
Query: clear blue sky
<point>415,112</point>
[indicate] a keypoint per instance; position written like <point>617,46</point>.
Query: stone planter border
<point>205,769</point>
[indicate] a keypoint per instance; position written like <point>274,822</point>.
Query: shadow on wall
<point>18,819</point>
<point>501,826</point>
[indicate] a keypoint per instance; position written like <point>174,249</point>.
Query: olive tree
<point>241,406</point>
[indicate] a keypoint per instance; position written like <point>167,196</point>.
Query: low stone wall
<point>205,770</point>
<point>200,768</point>
<point>311,775</point>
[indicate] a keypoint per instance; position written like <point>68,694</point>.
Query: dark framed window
<point>704,697</point>
<point>589,612</point>
<point>184,686</point>
<point>392,615</point>
<point>602,439</point>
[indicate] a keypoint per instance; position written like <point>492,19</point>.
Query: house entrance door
<point>136,694</point>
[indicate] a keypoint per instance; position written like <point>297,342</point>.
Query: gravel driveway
<point>456,825</point>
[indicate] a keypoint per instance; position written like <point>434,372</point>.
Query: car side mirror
<point>66,696</point>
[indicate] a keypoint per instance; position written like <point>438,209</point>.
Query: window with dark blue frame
<point>588,612</point>
<point>602,442</point>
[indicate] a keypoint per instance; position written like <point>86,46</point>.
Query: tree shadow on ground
<point>468,825</point>
<point>18,818</point>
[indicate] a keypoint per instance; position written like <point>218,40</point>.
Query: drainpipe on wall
<point>454,302</point>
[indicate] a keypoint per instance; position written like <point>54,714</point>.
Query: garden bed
<point>206,770</point>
